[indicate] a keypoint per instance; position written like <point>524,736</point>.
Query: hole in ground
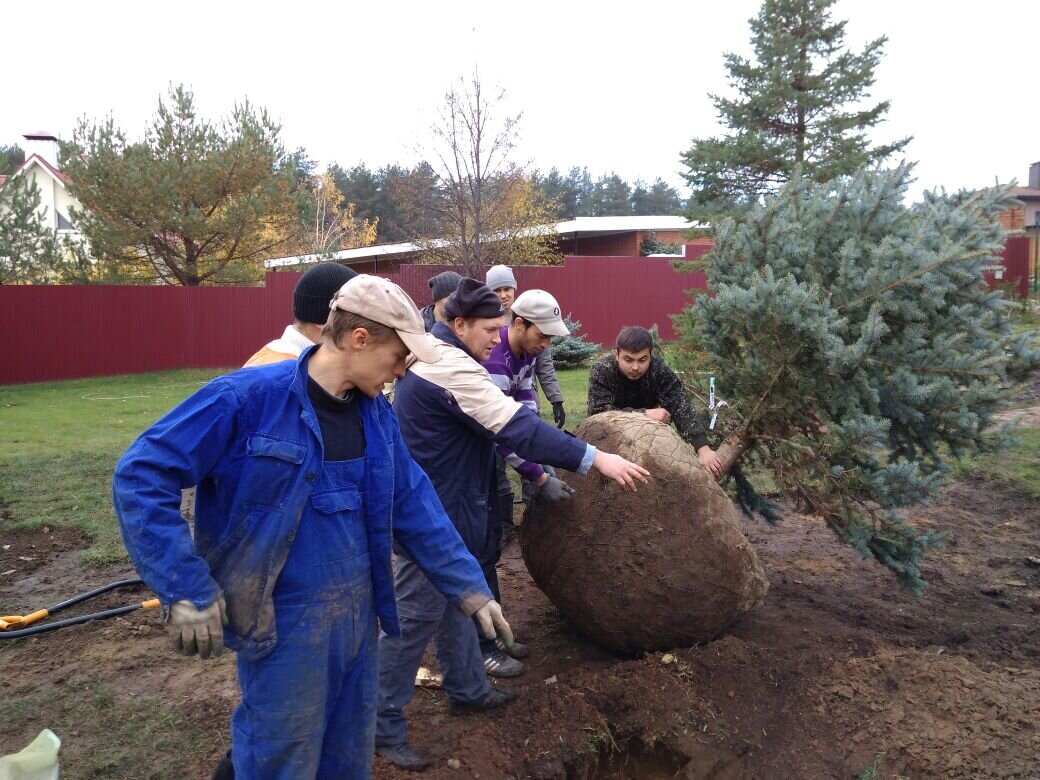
<point>633,760</point>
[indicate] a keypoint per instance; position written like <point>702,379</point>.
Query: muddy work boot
<point>495,698</point>
<point>498,664</point>
<point>403,757</point>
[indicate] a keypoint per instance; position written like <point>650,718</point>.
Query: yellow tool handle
<point>10,621</point>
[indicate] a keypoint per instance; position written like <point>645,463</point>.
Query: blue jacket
<point>251,443</point>
<point>451,415</point>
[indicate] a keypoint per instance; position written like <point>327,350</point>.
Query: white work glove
<point>554,490</point>
<point>493,624</point>
<point>197,630</point>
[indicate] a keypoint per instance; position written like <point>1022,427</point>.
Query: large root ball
<point>664,567</point>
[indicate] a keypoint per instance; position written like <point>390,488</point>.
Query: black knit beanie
<point>316,289</point>
<point>473,299</point>
<point>444,284</point>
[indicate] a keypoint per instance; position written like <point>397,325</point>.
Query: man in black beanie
<point>441,286</point>
<point>451,415</point>
<point>311,297</point>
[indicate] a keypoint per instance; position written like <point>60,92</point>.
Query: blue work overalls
<point>308,708</point>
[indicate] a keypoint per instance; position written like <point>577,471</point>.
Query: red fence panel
<point>604,293</point>
<point>54,332</point>
<point>64,332</point>
<point>1015,271</point>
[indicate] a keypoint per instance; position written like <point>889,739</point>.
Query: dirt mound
<point>946,716</point>
<point>664,567</point>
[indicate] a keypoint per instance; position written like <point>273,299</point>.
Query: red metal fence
<point>1015,270</point>
<point>604,293</point>
<point>65,332</point>
<point>53,332</point>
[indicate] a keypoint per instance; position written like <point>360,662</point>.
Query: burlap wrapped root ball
<point>664,567</point>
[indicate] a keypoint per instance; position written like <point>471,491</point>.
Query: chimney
<point>1034,176</point>
<point>46,146</point>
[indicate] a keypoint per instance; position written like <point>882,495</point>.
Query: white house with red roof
<point>41,167</point>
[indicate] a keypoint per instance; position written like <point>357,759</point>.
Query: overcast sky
<point>609,86</point>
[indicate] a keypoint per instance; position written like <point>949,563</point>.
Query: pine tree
<point>572,351</point>
<point>581,191</point>
<point>798,105</point>
<point>194,202</point>
<point>359,186</point>
<point>651,245</point>
<point>859,348</point>
<point>554,187</point>
<point>660,198</point>
<point>30,252</point>
<point>11,159</point>
<point>611,197</point>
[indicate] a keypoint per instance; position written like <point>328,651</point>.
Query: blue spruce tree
<point>859,348</point>
<point>572,351</point>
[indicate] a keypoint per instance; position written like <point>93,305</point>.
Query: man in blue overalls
<point>302,482</point>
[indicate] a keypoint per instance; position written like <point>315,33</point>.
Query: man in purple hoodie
<point>511,364</point>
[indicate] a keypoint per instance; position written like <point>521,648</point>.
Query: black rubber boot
<point>225,769</point>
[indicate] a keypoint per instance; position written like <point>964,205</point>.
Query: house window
<point>63,222</point>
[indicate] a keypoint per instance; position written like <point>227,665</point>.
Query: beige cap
<point>539,307</point>
<point>384,302</point>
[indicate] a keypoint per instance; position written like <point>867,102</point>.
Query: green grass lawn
<point>59,442</point>
<point>574,384</point>
<point>1019,466</point>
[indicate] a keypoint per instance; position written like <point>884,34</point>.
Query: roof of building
<point>40,135</point>
<point>587,226</point>
<point>574,228</point>
<point>60,177</point>
<point>1026,193</point>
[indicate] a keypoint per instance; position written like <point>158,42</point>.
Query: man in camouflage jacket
<point>633,379</point>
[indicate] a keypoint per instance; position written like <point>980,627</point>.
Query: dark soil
<point>838,671</point>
